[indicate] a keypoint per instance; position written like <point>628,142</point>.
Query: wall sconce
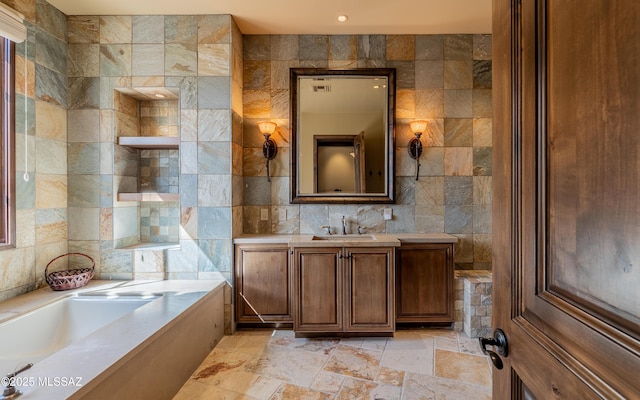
<point>415,145</point>
<point>269,148</point>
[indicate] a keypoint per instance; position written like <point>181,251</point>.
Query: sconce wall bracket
<point>415,151</point>
<point>269,148</point>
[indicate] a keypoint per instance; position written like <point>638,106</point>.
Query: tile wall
<point>445,79</point>
<point>75,63</point>
<point>192,54</point>
<point>41,201</point>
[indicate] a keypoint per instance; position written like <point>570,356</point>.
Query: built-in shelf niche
<point>146,127</point>
<point>149,142</point>
<point>148,196</point>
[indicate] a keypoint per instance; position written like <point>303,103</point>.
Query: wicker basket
<point>71,278</point>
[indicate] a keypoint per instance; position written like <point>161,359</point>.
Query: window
<point>7,138</point>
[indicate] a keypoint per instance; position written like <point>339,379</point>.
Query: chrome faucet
<point>10,391</point>
<point>327,227</point>
<point>344,225</point>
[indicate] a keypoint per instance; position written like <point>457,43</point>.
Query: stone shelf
<point>148,196</point>
<point>153,246</point>
<point>149,142</point>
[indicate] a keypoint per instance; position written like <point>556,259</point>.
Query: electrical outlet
<point>387,214</point>
<point>264,214</point>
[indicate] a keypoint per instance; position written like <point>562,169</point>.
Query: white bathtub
<point>30,337</point>
<point>110,340</point>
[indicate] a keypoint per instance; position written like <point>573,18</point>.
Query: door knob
<point>499,343</point>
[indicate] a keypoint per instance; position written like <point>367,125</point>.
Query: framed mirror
<point>342,135</point>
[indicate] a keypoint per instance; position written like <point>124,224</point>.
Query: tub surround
<point>150,359</point>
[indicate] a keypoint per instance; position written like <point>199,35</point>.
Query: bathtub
<point>135,339</point>
<point>30,337</point>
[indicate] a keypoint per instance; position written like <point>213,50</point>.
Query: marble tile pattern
<point>473,298</point>
<point>445,79</point>
<point>272,365</point>
<point>73,117</point>
<point>42,219</point>
<point>196,57</point>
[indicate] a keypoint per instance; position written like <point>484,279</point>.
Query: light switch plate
<point>264,214</point>
<point>387,214</point>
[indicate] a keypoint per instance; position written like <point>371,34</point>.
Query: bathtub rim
<point>99,355</point>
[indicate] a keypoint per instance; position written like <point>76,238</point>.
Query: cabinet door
<point>262,283</point>
<point>318,280</point>
<point>369,289</point>
<point>424,282</point>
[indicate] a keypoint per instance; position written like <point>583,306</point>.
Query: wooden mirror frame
<point>314,198</point>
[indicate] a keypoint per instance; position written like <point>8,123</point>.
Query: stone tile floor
<point>273,365</point>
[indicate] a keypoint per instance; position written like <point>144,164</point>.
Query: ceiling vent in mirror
<point>322,88</point>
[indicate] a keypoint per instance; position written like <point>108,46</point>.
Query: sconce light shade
<point>267,127</point>
<point>419,125</point>
<point>269,147</point>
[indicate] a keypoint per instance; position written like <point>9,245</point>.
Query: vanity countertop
<point>366,240</point>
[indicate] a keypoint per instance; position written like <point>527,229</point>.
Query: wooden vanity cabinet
<point>262,276</point>
<point>318,279</point>
<point>348,289</point>
<point>424,282</point>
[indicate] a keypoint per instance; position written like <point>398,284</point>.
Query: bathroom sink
<point>337,238</point>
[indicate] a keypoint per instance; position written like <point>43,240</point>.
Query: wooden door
<point>318,280</point>
<point>424,282</point>
<point>567,197</point>
<point>360,167</point>
<point>263,292</point>
<point>369,289</point>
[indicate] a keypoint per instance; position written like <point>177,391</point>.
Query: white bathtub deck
<point>111,350</point>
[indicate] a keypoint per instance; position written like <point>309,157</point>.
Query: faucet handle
<point>24,368</point>
<point>10,391</point>
<point>360,229</point>
<point>327,227</point>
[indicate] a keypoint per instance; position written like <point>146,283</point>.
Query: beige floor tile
<point>425,387</point>
<point>359,389</point>
<point>274,365</point>
<point>390,376</point>
<point>353,342</point>
<point>254,385</point>
<point>357,362</point>
<point>447,343</point>
<point>469,345</point>
<point>462,367</point>
<point>291,392</point>
<point>248,344</point>
<point>409,352</point>
<point>374,343</point>
<point>220,365</point>
<point>193,390</point>
<point>322,346</point>
<point>328,382</point>
<point>295,366</point>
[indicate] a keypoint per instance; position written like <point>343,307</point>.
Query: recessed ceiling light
<point>342,18</point>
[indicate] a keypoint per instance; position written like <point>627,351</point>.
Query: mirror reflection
<point>343,135</point>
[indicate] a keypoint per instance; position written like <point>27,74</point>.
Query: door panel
<point>370,292</point>
<point>262,281</point>
<point>319,281</point>
<point>593,181</point>
<point>567,197</point>
<point>424,281</point>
